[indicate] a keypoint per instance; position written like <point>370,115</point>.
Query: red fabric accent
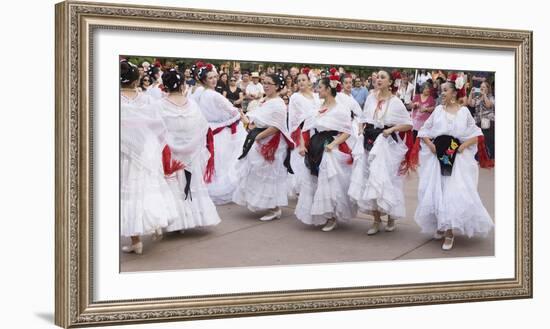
<point>169,165</point>
<point>482,156</point>
<point>268,149</point>
<point>296,136</point>
<point>344,148</point>
<point>209,173</point>
<point>217,130</point>
<point>166,157</point>
<point>233,127</point>
<point>411,157</point>
<point>306,136</point>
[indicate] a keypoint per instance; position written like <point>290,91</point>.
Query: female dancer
<point>198,88</point>
<point>187,133</point>
<point>377,184</point>
<point>302,105</point>
<point>323,198</point>
<point>265,162</point>
<point>146,205</point>
<point>226,137</point>
<point>448,200</point>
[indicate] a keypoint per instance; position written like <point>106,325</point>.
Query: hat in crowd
<point>255,75</point>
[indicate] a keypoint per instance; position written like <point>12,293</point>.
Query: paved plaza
<point>242,240</point>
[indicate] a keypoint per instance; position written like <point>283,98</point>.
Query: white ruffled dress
<point>187,131</point>
<point>220,113</point>
<point>451,202</point>
<point>146,203</point>
<point>375,182</point>
<point>354,108</point>
<point>300,108</point>
<point>261,183</point>
<point>325,196</point>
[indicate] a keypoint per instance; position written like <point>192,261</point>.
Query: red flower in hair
<point>453,77</point>
<point>396,75</point>
<point>334,77</point>
<point>306,70</point>
<point>199,64</point>
<point>333,70</point>
<point>209,67</point>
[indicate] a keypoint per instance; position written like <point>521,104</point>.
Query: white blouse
<point>391,113</point>
<point>460,125</point>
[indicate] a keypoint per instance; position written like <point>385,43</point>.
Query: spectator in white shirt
<point>405,91</point>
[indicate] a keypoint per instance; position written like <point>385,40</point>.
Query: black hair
<point>142,80</point>
<point>172,80</point>
<point>428,84</point>
<point>128,73</point>
<point>326,83</point>
<point>278,79</point>
<point>152,73</point>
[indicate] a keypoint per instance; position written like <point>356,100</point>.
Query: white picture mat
<point>109,284</point>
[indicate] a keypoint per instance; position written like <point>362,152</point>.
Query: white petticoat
<point>146,203</point>
<point>451,202</point>
<point>227,149</point>
<point>198,210</point>
<point>375,181</point>
<point>325,196</point>
<point>261,184</point>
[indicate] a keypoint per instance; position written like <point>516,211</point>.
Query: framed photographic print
<point>217,164</point>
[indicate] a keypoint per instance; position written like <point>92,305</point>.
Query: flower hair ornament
<point>335,80</point>
<point>282,82</point>
<point>203,71</point>
<point>306,70</point>
<point>459,84</point>
<point>195,69</point>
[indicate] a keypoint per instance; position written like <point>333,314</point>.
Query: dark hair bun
<point>279,80</point>
<point>172,80</point>
<point>152,72</point>
<point>128,73</point>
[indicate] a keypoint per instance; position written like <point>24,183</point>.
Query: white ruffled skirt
<point>299,167</point>
<point>146,203</point>
<point>262,184</point>
<point>325,196</point>
<point>198,209</point>
<point>227,149</point>
<point>375,181</point>
<point>451,202</point>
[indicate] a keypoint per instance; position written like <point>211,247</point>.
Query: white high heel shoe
<point>272,214</point>
<point>374,229</point>
<point>448,244</point>
<point>135,248</point>
<point>390,227</point>
<point>157,235</point>
<point>330,225</point>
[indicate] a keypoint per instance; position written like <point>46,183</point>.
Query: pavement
<point>242,240</point>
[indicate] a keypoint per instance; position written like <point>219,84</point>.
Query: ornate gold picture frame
<point>76,22</point>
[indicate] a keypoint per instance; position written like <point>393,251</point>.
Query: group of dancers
<point>191,149</point>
